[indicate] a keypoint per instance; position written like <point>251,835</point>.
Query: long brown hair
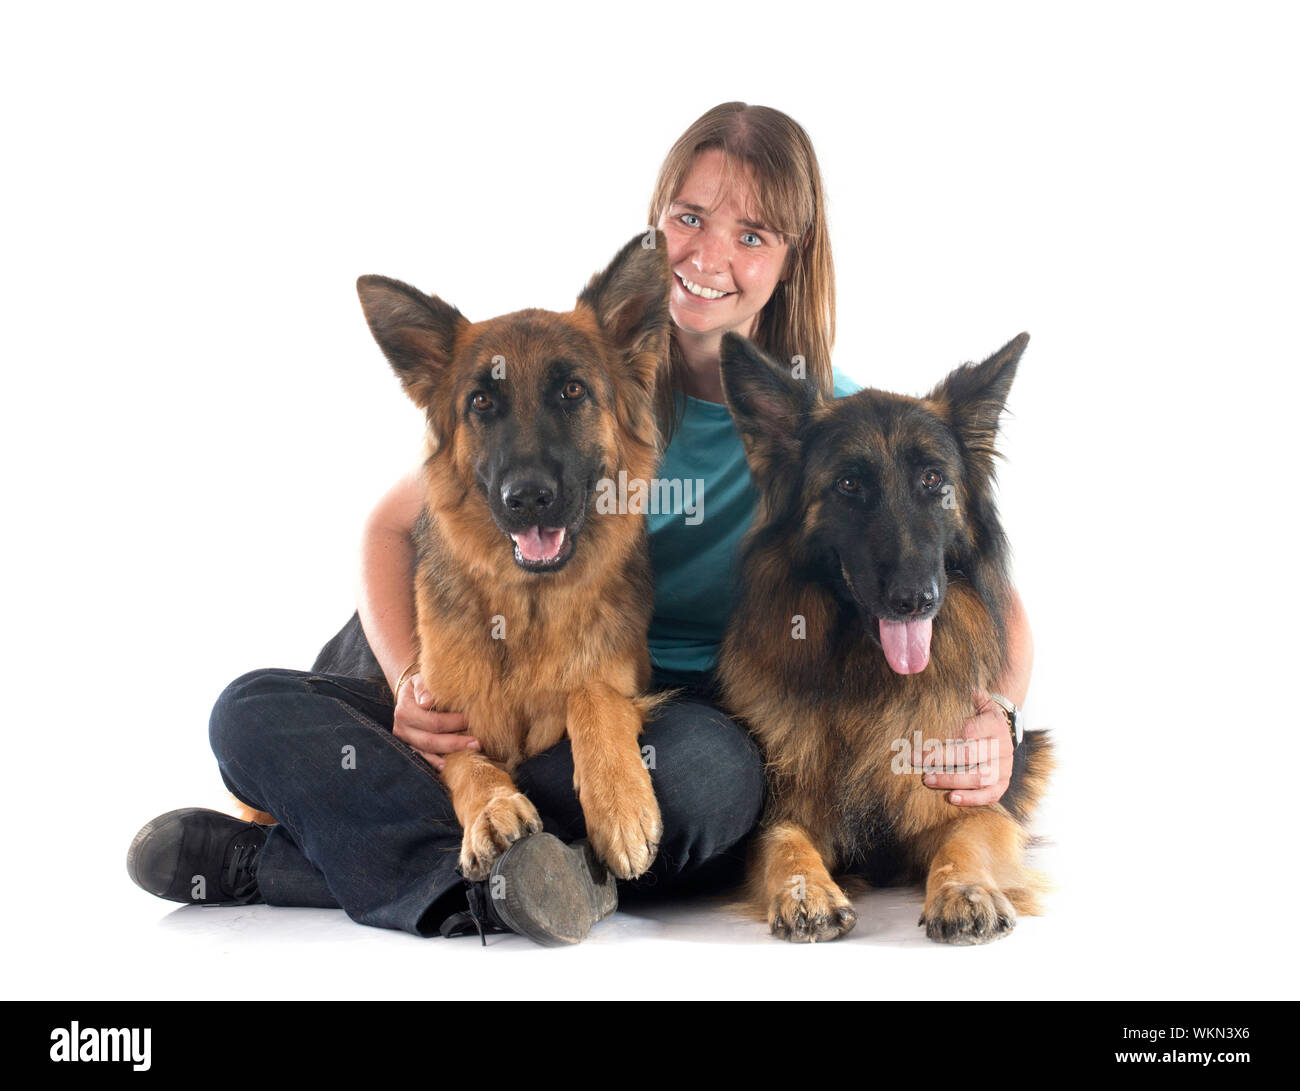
<point>775,152</point>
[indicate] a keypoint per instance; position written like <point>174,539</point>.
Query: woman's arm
<point>386,603</point>
<point>385,595</point>
<point>987,750</point>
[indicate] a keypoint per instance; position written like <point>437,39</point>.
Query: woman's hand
<point>981,758</point>
<point>433,735</point>
<point>982,753</point>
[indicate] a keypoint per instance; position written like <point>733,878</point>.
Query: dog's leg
<point>613,784</point>
<point>804,904</point>
<point>492,811</point>
<point>975,865</point>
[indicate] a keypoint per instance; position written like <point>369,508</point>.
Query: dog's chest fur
<point>835,723</point>
<point>494,648</point>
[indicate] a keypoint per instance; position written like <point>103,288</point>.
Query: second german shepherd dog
<point>874,583</point>
<point>532,608</point>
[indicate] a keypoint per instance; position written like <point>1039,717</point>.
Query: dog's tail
<point>1027,897</point>
<point>1034,762</point>
<point>650,703</point>
<point>1031,768</point>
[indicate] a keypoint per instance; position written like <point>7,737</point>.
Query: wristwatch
<point>1013,716</point>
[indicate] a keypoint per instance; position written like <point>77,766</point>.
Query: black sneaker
<point>540,888</point>
<point>197,856</point>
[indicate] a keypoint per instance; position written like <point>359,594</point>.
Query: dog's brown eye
<point>932,479</point>
<point>573,390</point>
<point>849,485</point>
<point>480,401</point>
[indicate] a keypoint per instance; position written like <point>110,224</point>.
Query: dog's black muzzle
<point>542,518</point>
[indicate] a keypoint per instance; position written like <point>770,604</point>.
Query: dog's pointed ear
<point>767,403</point>
<point>974,395</point>
<point>630,301</point>
<point>416,331</point>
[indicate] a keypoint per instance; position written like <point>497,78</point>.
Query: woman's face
<point>725,262</point>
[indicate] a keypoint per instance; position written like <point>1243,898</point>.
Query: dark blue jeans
<point>364,823</point>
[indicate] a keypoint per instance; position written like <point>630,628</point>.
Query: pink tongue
<point>536,544</point>
<point>906,644</point>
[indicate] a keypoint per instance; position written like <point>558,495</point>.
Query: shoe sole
<point>551,892</point>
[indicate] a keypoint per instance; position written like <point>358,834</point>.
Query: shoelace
<point>477,908</point>
<point>240,877</point>
<point>477,912</point>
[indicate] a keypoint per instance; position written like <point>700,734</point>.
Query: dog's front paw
<point>967,913</point>
<point>623,823</point>
<point>810,911</point>
<point>498,825</point>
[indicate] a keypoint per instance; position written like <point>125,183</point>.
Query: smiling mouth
<point>548,549</point>
<point>539,549</point>
<point>701,292</point>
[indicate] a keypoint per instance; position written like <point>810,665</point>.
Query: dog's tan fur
<point>530,658</point>
<point>827,709</point>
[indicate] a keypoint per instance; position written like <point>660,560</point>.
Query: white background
<point>196,422</point>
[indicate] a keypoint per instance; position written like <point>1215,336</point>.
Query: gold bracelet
<point>404,676</point>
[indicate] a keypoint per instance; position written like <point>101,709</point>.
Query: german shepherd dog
<point>532,609</point>
<point>877,547</point>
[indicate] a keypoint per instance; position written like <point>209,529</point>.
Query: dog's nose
<point>529,497</point>
<point>911,599</point>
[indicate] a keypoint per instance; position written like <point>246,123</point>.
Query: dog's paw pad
<point>499,825</point>
<point>967,913</point>
<point>628,847</point>
<point>811,913</point>
<point>626,830</point>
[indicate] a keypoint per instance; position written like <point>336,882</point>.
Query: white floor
<point>1165,891</point>
<point>119,943</point>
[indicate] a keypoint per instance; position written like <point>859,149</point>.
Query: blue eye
<point>750,235</point>
<point>690,219</point>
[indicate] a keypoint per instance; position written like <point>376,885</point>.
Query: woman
<point>740,202</point>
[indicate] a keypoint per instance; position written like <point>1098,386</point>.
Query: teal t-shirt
<point>694,547</point>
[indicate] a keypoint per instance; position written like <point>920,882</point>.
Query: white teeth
<point>700,290</point>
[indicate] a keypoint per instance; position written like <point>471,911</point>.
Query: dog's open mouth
<point>542,548</point>
<point>547,549</point>
<point>905,642</point>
